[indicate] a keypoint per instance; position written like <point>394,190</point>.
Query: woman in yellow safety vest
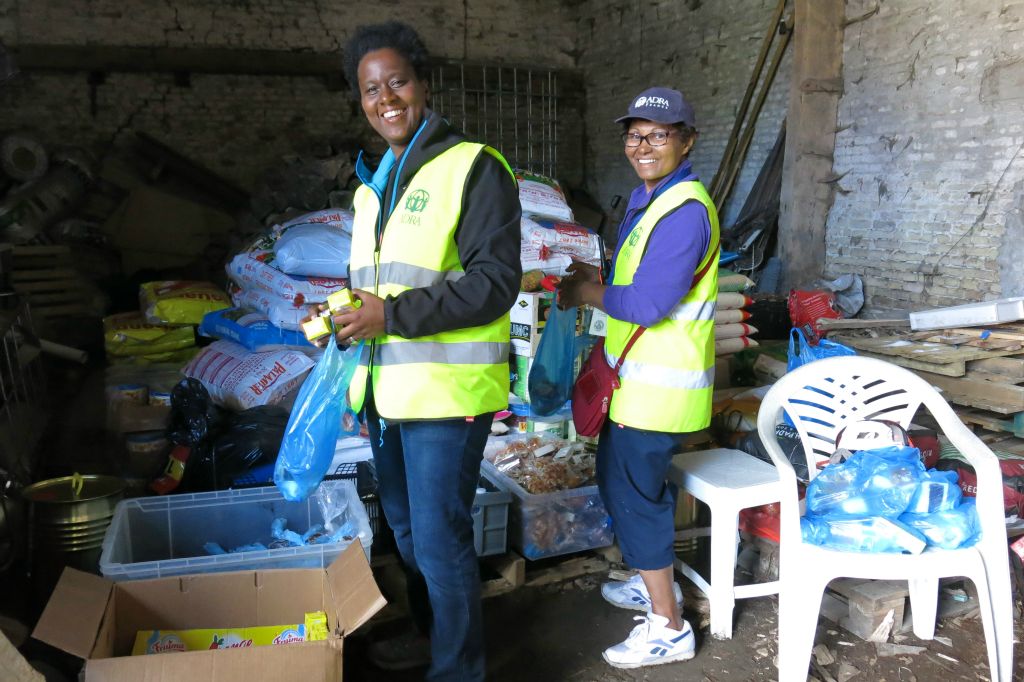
<point>663,286</point>
<point>435,263</point>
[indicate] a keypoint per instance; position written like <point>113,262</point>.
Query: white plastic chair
<point>727,481</point>
<point>821,398</point>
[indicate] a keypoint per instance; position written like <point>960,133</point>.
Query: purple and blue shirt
<point>674,250</point>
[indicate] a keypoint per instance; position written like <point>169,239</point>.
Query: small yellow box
<point>316,328</point>
<point>340,301</point>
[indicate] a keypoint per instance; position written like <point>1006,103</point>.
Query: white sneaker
<point>652,643</point>
<point>633,594</point>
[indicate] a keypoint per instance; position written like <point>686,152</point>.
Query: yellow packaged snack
<point>342,301</point>
<point>167,641</point>
<point>181,302</point>
<point>129,334</point>
<point>316,328</point>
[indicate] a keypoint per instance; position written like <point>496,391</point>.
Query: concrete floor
<point>557,633</point>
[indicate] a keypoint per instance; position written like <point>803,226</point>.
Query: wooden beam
<point>807,187</point>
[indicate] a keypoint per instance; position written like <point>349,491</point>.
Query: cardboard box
<point>96,619</point>
<point>528,316</point>
<point>521,365</point>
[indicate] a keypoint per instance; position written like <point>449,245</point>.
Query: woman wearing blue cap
<point>661,307</point>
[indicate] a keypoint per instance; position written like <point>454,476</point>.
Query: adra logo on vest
<point>417,201</point>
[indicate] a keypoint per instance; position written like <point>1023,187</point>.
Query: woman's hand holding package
<point>365,322</point>
<point>582,285</point>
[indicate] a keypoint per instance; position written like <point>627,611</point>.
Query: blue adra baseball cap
<point>661,105</point>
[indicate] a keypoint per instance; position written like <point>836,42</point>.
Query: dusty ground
<point>557,633</point>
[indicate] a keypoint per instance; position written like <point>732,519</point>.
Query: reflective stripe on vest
<point>659,375</point>
<point>668,375</point>
<point>402,274</point>
<point>457,373</point>
<point>466,353</point>
<point>695,310</point>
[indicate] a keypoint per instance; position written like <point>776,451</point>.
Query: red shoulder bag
<point>592,394</point>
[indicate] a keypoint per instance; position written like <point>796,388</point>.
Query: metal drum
<point>68,519</point>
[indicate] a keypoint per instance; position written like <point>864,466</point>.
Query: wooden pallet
<point>46,275</point>
<point>863,607</point>
<point>1004,423</point>
<point>934,357</point>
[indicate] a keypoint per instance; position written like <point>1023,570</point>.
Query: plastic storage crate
<point>553,524</point>
<point>490,519</point>
<point>164,536</point>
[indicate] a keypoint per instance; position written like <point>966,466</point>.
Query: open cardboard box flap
<point>96,619</point>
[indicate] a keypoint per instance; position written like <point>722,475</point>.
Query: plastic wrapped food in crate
<point>165,536</point>
<point>555,523</point>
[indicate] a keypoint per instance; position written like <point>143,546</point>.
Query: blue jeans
<point>428,473</point>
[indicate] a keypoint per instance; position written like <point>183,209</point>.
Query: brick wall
<point>931,150</point>
<point>239,125</point>
<point>705,49</point>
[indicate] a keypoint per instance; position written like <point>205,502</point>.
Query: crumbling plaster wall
<point>931,152</point>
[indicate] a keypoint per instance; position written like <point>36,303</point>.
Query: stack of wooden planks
<point>979,370</point>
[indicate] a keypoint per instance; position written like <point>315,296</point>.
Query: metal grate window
<point>513,109</point>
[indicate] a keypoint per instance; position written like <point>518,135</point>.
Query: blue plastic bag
<point>879,482</point>
<point>798,357</point>
<point>949,528</point>
<point>870,534</point>
<point>312,432</point>
<point>551,377</point>
<point>937,491</point>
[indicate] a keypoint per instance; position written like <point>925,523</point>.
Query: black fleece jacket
<point>487,238</point>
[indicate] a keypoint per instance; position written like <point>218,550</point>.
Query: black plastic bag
<point>789,441</point>
<point>246,440</point>
<point>250,438</point>
<point>194,417</point>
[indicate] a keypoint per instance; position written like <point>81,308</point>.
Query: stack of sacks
<point>238,379</point>
<point>551,241</point>
<point>732,333</point>
<point>163,330</point>
<point>300,263</point>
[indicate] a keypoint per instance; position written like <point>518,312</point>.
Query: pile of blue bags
<point>883,500</point>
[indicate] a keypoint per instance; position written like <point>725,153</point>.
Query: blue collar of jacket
<point>377,180</point>
<point>641,198</point>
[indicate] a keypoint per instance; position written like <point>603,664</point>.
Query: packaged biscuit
<point>181,302</point>
<point>168,641</point>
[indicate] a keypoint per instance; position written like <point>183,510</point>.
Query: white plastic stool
<point>727,481</point>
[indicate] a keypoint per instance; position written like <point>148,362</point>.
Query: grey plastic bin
<point>164,536</point>
<point>490,519</point>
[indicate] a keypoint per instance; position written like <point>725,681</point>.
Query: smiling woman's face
<point>393,98</point>
<point>654,163</point>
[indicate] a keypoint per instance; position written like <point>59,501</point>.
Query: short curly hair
<point>400,37</point>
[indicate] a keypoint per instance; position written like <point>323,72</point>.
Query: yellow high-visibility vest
<point>456,373</point>
<point>668,375</point>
